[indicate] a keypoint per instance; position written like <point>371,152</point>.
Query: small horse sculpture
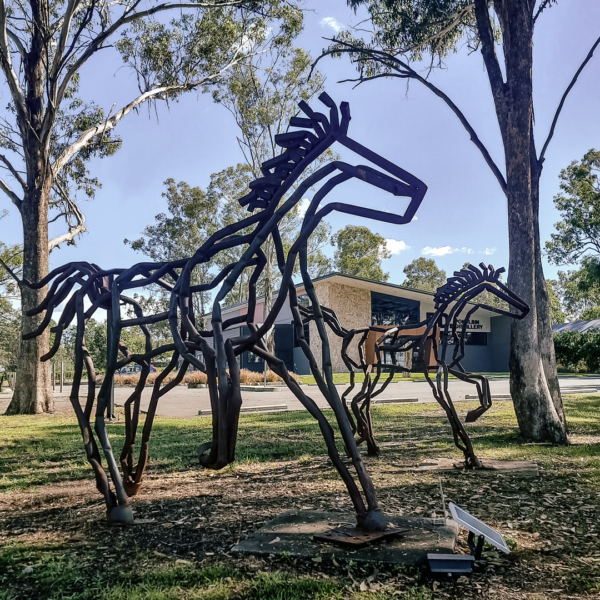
<point>105,289</point>
<point>429,342</point>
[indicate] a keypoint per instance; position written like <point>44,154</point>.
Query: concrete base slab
<point>393,400</point>
<point>259,408</point>
<point>525,468</point>
<point>293,532</point>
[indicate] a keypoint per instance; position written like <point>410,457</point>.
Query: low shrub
<point>576,351</point>
<point>195,377</point>
<point>247,377</point>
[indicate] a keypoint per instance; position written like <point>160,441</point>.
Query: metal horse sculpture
<point>208,350</point>
<point>430,342</point>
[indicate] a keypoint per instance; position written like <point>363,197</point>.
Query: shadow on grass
<point>39,450</point>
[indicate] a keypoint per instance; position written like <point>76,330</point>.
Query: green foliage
<point>423,274</point>
<point>416,29</point>
<point>578,233</point>
<point>192,217</point>
<point>10,336</point>
<point>567,347</point>
<point>96,341</point>
<point>11,257</point>
<point>262,94</point>
<point>359,252</point>
<point>591,313</point>
<point>557,313</point>
<point>579,290</point>
<point>10,295</point>
<point>575,350</point>
<point>189,48</point>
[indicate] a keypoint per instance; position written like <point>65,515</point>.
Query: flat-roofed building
<point>360,303</point>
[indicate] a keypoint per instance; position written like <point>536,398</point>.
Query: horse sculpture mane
<point>464,280</point>
<point>299,146</point>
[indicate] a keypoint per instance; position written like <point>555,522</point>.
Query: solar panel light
<point>463,563</point>
<point>480,529</point>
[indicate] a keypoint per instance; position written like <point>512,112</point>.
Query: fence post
<point>53,376</point>
<point>62,375</point>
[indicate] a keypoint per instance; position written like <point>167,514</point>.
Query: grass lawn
<point>344,378</point>
<point>54,542</point>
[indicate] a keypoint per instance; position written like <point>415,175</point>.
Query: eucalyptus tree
<point>50,132</point>
<point>359,252</point>
<point>424,274</point>
<point>262,95</point>
<point>11,264</point>
<point>190,219</point>
<point>408,32</point>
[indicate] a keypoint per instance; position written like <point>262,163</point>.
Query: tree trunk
<point>33,390</point>
<point>529,382</point>
<point>544,315</point>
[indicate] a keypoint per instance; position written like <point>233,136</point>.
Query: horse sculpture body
<point>209,350</point>
<point>429,342</point>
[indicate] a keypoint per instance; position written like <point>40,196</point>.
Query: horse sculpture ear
<point>334,120</point>
<point>345,111</point>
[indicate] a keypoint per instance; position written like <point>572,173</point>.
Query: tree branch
<point>404,71</point>
<point>488,51</point>
<point>14,172</point>
<point>562,102</point>
<point>11,273</point>
<point>64,36</point>
<point>15,199</point>
<point>544,4</point>
<point>69,236</point>
<point>85,138</point>
<point>74,210</point>
<point>455,20</point>
<point>7,66</point>
<point>126,18</point>
<point>17,42</point>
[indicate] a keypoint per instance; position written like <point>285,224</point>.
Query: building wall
<point>353,308</point>
<point>492,358</point>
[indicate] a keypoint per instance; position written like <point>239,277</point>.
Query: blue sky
<point>463,217</point>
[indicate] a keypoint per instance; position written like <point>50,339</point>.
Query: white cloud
<point>333,23</point>
<point>303,207</point>
<point>488,251</point>
<point>443,250</point>
<point>396,246</point>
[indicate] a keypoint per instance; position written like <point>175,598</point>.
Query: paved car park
<point>183,402</point>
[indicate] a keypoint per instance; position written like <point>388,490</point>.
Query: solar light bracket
<point>476,547</point>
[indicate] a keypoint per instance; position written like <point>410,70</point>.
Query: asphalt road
<point>186,403</point>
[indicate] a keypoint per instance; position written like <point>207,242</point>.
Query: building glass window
<point>391,310</point>
<point>306,331</point>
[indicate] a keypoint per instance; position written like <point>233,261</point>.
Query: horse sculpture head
<point>468,283</point>
<point>317,132</point>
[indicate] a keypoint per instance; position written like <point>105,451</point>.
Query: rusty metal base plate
<point>298,533</point>
<point>353,537</point>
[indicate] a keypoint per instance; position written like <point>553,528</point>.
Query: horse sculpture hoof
<point>132,488</point>
<point>120,515</point>
<point>372,520</point>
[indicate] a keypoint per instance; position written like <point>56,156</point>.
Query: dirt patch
<point>197,516</point>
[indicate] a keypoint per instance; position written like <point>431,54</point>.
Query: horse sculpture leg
<point>459,433</point>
